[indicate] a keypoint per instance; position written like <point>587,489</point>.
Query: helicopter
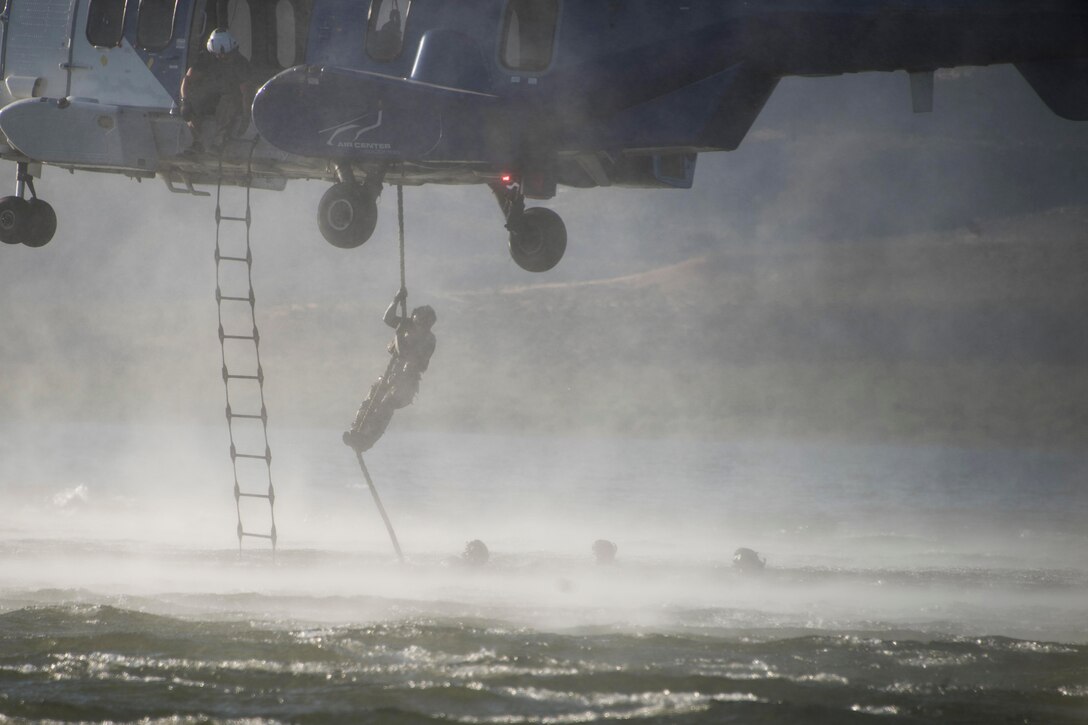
<point>520,96</point>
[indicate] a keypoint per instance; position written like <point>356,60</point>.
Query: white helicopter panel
<point>113,75</point>
<point>37,52</point>
<point>82,133</point>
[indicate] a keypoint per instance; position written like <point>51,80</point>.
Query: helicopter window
<point>155,24</point>
<point>285,33</point>
<point>241,26</point>
<point>385,28</point>
<point>529,33</point>
<point>105,23</point>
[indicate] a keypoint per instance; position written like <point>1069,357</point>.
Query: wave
<point>93,661</point>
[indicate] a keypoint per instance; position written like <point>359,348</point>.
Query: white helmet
<point>221,42</point>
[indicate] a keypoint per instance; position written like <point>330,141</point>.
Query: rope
<point>385,381</point>
<point>403,286</point>
<point>400,224</point>
<point>379,392</point>
<point>381,509</point>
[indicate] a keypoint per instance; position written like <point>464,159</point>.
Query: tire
<point>42,223</point>
<point>539,241</point>
<point>347,215</point>
<point>14,219</point>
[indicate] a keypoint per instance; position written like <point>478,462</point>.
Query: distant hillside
<point>973,336</point>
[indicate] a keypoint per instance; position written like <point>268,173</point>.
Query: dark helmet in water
<point>424,316</point>
<point>747,561</point>
<point>475,553</point>
<point>604,551</point>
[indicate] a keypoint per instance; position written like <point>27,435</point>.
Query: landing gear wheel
<point>42,224</point>
<point>347,215</point>
<point>14,219</point>
<point>539,240</point>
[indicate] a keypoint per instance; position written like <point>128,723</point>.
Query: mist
<point>856,344</point>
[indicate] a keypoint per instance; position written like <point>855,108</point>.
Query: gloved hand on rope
<point>399,299</point>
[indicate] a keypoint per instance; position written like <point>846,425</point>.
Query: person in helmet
<point>215,93</point>
<point>411,348</point>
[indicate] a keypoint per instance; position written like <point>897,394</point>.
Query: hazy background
<point>852,274</point>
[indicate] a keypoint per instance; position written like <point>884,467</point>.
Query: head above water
<point>424,316</point>
<point>747,561</point>
<point>475,553</point>
<point>221,43</point>
<point>604,551</point>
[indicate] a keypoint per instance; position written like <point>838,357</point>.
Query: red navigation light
<point>506,178</point>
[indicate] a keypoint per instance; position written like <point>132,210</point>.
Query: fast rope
<point>388,370</point>
<point>381,509</point>
<point>400,224</point>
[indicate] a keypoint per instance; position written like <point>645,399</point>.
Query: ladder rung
<point>259,377</point>
<point>245,415</point>
<point>266,456</point>
<point>255,337</point>
<point>227,298</point>
<point>225,218</point>
<point>257,536</point>
<point>219,256</point>
<point>253,495</point>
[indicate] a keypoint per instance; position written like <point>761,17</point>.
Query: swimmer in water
<point>747,561</point>
<point>475,553</point>
<point>604,551</point>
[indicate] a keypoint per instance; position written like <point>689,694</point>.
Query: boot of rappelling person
<point>411,348</point>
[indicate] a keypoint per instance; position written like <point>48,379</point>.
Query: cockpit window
<point>240,22</point>
<point>385,28</point>
<point>105,23</point>
<point>155,24</point>
<point>529,34</point>
<point>286,52</point>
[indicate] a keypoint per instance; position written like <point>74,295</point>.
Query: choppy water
<point>903,585</point>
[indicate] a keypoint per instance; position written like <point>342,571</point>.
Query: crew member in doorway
<point>411,348</point>
<point>215,93</point>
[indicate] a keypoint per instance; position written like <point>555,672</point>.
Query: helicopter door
<point>105,65</point>
<point>37,54</point>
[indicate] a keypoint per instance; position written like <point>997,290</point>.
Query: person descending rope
<point>411,348</point>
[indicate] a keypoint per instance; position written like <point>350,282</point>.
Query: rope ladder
<point>242,372</point>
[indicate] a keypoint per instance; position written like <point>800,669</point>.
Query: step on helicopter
<point>521,96</point>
